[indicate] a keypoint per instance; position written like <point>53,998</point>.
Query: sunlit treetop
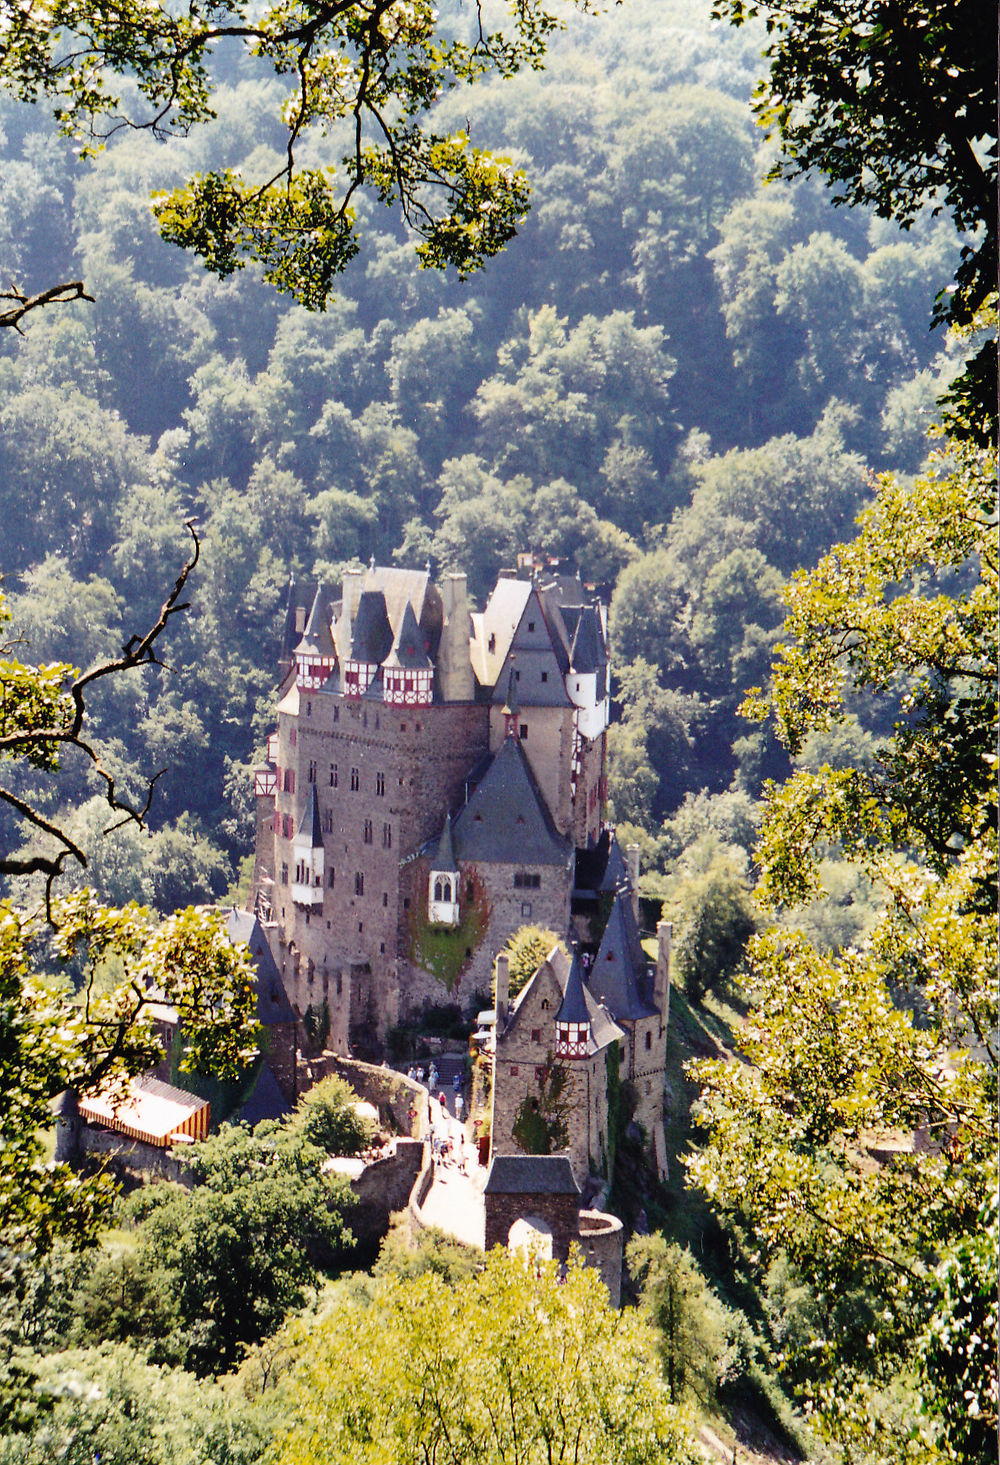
<point>367,73</point>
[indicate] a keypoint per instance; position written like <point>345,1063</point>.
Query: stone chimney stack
<point>455,678</point>
<point>502,989</point>
<point>353,580</point>
<point>632,860</point>
<point>661,976</point>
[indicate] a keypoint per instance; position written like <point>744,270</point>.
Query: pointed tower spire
<point>573,1017</point>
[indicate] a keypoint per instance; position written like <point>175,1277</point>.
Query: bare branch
<point>54,295</point>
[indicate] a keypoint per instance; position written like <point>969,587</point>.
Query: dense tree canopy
<point>895,105</point>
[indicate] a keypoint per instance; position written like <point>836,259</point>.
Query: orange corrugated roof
<point>149,1110</point>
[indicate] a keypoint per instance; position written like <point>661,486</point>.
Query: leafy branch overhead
<point>361,77</point>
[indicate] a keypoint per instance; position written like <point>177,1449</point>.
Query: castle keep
<point>436,780</point>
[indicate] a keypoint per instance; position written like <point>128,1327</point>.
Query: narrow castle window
<point>355,780</point>
<point>331,878</point>
<point>524,730</point>
<point>387,836</point>
<point>334,776</point>
<point>367,831</point>
<point>359,883</point>
<point>380,784</point>
<point>336,714</point>
<point>284,874</point>
<point>312,770</point>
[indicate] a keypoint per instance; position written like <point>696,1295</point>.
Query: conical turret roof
<point>371,634</point>
<point>309,831</point>
<point>574,1004</point>
<point>618,976</point>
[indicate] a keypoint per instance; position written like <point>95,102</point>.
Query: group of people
<point>418,1075</point>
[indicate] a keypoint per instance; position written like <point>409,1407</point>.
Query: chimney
<point>632,860</point>
<point>661,976</point>
<point>455,679</point>
<point>502,989</point>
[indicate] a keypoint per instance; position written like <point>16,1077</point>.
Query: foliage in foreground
<point>858,1140</point>
<point>514,1366</point>
<point>52,1038</point>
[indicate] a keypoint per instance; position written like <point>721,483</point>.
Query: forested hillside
<point>674,374</point>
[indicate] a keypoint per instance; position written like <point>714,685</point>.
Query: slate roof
<point>398,589</point>
<point>316,637</point>
<point>588,652</point>
<point>618,975</point>
<point>569,981</point>
<point>310,830</point>
<point>506,820</point>
<point>408,649</point>
<point>531,1175</point>
<point>273,1006</point>
<point>265,1100</point>
<point>444,859</point>
<point>574,1004</point>
<point>371,633</point>
<point>601,869</point>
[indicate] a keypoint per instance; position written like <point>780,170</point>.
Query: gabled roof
<point>531,1175</point>
<point>575,997</point>
<point>408,649</point>
<point>618,975</point>
<point>499,620</point>
<point>371,633</point>
<point>309,831</point>
<point>506,820</point>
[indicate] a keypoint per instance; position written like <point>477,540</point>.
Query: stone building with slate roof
<point>435,774</point>
<point>579,1031</point>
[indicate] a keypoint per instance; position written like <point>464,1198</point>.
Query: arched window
<point>443,888</point>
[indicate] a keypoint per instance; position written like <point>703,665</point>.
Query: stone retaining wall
<point>133,1156</point>
<point>402,1104</point>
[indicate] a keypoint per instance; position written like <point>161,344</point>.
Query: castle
<point>437,781</point>
<point>435,776</point>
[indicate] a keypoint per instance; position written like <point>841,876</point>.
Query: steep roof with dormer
<point>566,975</point>
<point>506,820</point>
<point>316,637</point>
<point>536,659</point>
<point>618,975</point>
<point>408,649</point>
